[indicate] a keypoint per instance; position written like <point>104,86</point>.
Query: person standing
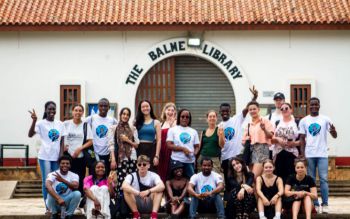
<point>62,186</point>
<point>211,142</point>
<point>78,138</point>
<point>51,132</point>
<point>125,135</point>
<point>100,124</point>
<point>184,142</point>
<point>148,128</point>
<point>168,121</point>
<point>230,130</point>
<point>285,139</point>
<point>205,188</point>
<point>313,136</point>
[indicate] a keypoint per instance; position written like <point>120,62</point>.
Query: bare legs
<point>307,206</point>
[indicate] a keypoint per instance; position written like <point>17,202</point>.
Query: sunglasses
<point>184,117</point>
<point>142,164</point>
<point>284,108</point>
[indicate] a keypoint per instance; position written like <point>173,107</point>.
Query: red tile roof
<point>173,12</point>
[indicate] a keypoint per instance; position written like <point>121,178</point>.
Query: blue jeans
<point>188,169</point>
<point>322,164</point>
<point>207,204</point>
<point>71,201</point>
<point>46,167</point>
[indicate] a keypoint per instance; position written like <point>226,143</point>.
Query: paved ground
<point>35,206</point>
<point>6,189</point>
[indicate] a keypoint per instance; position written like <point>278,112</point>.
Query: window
<point>300,95</point>
<point>69,95</point>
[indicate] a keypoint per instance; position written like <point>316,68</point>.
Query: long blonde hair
<point>166,106</point>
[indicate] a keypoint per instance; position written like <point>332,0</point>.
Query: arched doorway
<point>191,82</point>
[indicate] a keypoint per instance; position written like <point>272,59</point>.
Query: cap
<point>176,165</point>
<point>278,95</point>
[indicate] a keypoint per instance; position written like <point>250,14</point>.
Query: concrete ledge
<point>7,189</point>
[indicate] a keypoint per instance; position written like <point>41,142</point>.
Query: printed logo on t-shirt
<point>185,137</point>
<point>206,188</point>
<point>54,135</point>
<point>61,188</point>
<point>229,133</point>
<point>314,129</point>
<point>101,131</point>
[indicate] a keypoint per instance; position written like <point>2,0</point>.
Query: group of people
<point>261,166</point>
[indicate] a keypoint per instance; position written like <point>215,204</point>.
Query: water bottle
<point>63,212</point>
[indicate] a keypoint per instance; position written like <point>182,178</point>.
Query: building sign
<point>178,47</point>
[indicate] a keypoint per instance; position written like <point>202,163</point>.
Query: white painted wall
<point>34,64</point>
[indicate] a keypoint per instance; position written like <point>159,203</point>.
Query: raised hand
<point>254,92</point>
<point>332,129</point>
<point>33,114</point>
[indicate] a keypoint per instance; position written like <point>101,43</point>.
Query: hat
<point>175,165</point>
<point>278,95</point>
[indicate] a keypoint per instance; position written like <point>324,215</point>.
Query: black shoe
<point>82,202</point>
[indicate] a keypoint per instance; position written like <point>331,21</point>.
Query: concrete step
<point>29,182</point>
<point>27,195</point>
<point>29,186</point>
<point>31,190</point>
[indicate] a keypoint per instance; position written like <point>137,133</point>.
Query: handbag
<point>89,154</point>
<point>247,154</point>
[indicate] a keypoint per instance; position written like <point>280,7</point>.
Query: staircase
<point>28,189</point>
<point>337,188</point>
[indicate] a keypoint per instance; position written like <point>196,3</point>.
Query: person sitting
<point>239,190</point>
<point>205,188</point>
<point>301,189</point>
<point>143,189</point>
<point>177,189</point>
<point>99,190</point>
<point>59,185</point>
<point>269,188</point>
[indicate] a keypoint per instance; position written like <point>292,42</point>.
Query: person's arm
<point>110,182</point>
<point>221,136</point>
<point>111,144</point>
<point>128,188</point>
<point>312,193</point>
<point>191,192</point>
<point>266,126</point>
<point>52,192</point>
<point>72,185</point>
<point>302,145</point>
<point>258,190</point>
<point>279,194</point>
<point>218,189</point>
<point>158,141</point>
<point>333,131</point>
<point>184,192</point>
<point>31,131</point>
<point>158,188</point>
<point>288,192</point>
<point>169,190</point>
<point>61,147</point>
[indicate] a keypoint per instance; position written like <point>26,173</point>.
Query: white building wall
<point>34,64</point>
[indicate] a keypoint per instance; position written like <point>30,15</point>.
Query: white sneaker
<point>318,209</point>
<point>325,209</point>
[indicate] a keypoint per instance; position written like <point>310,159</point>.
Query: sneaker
<point>318,209</point>
<point>325,209</point>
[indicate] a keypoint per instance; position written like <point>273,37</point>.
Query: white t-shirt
<point>61,188</point>
<point>274,118</point>
<point>233,136</point>
<point>315,129</point>
<point>205,183</point>
<point>286,130</point>
<point>184,137</point>
<point>50,134</point>
<point>151,179</point>
<point>75,135</point>
<point>99,126</point>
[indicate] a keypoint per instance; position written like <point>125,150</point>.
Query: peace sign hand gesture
<point>33,115</point>
<point>262,125</point>
<point>333,131</point>
<point>254,92</point>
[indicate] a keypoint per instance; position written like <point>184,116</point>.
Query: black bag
<point>247,154</point>
<point>120,208</point>
<point>89,154</point>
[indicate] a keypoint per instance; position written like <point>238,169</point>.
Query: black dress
<point>234,206</point>
<point>269,192</point>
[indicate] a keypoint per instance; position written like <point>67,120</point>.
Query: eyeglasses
<point>284,108</point>
<point>142,164</point>
<point>184,117</point>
